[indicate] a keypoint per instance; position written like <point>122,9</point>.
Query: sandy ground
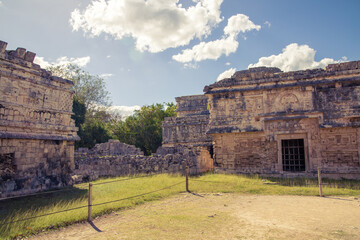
<point>226,216</point>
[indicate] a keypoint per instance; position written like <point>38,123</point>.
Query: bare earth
<point>226,216</point>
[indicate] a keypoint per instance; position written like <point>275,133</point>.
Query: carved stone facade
<point>188,129</point>
<point>37,133</point>
<point>270,122</point>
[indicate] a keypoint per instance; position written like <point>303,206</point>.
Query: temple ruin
<point>37,133</point>
<point>269,122</point>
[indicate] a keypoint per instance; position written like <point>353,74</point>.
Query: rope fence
<point>90,205</point>
<point>90,195</point>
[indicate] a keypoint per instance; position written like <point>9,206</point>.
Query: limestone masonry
<point>37,133</point>
<point>119,159</point>
<point>269,122</point>
<point>266,121</point>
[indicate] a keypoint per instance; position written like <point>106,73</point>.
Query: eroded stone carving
<point>36,128</point>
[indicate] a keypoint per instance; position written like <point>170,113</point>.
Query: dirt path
<point>226,216</point>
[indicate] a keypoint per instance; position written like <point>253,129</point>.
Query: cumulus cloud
<point>227,74</point>
<point>294,57</point>
<point>208,50</point>
<point>81,62</point>
<point>267,23</point>
<point>154,24</point>
<point>226,45</point>
<point>123,111</point>
<point>239,23</point>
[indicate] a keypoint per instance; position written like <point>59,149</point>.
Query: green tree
<point>88,89</point>
<point>93,131</point>
<point>89,102</point>
<point>143,128</point>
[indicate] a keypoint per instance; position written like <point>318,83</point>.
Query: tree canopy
<point>97,125</point>
<point>143,129</point>
<point>88,89</point>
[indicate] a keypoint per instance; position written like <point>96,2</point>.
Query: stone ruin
<point>265,121</point>
<point>184,143</point>
<point>37,133</point>
<point>114,158</point>
<point>259,121</point>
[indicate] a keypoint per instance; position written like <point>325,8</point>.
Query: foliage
<point>79,110</point>
<point>93,131</point>
<point>89,93</point>
<point>88,89</point>
<point>143,128</point>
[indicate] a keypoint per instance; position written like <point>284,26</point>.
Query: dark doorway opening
<point>293,155</point>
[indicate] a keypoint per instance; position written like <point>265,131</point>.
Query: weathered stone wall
<point>254,110</point>
<point>94,163</point>
<point>36,129</point>
<point>189,129</point>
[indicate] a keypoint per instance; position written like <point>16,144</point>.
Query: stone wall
<point>94,163</point>
<point>252,112</point>
<point>189,129</point>
<point>37,133</point>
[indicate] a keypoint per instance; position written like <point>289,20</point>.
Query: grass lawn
<point>76,196</point>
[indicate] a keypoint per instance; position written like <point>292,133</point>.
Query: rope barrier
<point>143,194</point>
<point>82,185</point>
<point>66,210</point>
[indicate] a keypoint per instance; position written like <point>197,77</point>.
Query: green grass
<point>77,196</point>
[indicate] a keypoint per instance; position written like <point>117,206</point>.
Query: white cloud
<point>227,74</point>
<point>81,62</point>
<point>208,50</point>
<point>239,23</point>
<point>106,75</point>
<point>227,64</point>
<point>123,111</point>
<point>155,24</point>
<point>226,45</point>
<point>108,56</point>
<point>1,3</point>
<point>294,57</point>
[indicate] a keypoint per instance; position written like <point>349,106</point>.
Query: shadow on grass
<point>41,201</point>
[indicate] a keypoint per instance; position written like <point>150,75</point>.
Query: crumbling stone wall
<point>37,133</point>
<point>254,110</point>
<point>188,129</point>
<point>125,159</point>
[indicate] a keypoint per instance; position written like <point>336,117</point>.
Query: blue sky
<point>153,51</point>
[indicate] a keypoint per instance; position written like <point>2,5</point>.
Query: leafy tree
<point>143,128</point>
<point>93,131</point>
<point>90,99</point>
<point>88,89</point>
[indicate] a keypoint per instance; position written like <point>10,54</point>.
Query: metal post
<point>187,177</point>
<point>90,202</point>
<point>320,182</point>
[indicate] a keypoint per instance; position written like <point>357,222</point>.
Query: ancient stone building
<point>37,133</point>
<point>265,121</point>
